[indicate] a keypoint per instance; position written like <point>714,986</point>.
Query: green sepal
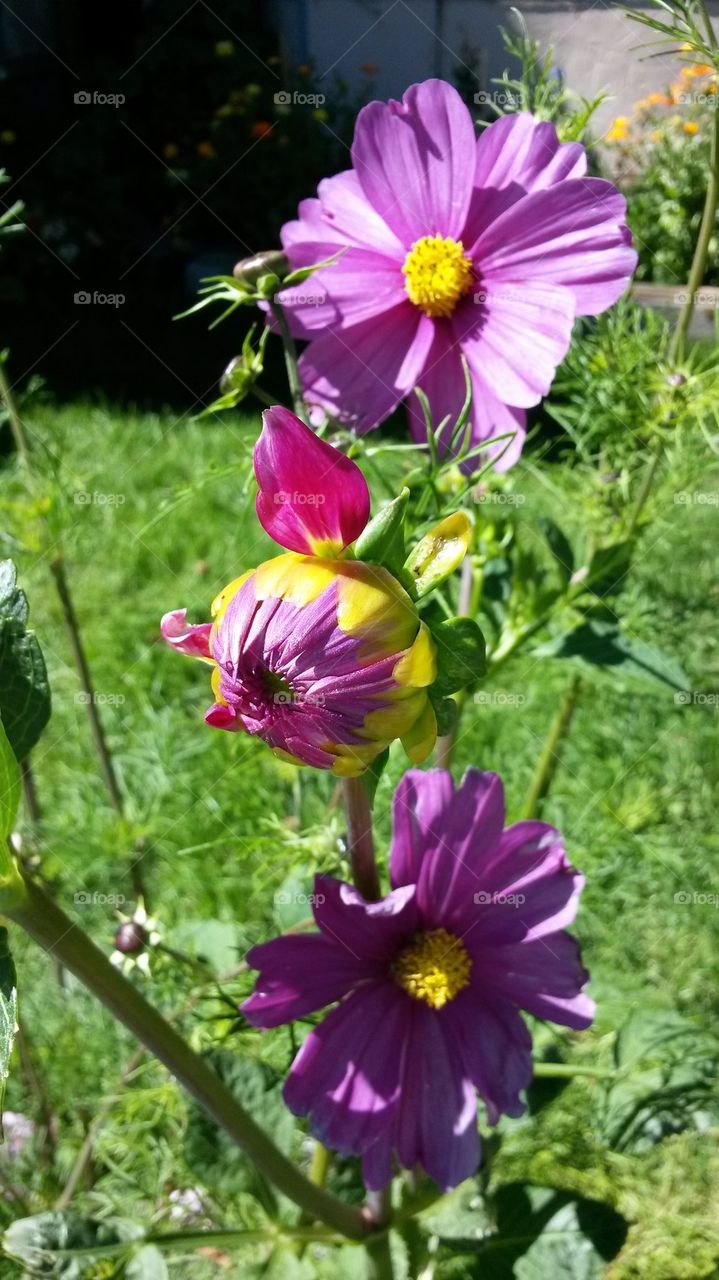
<point>447,713</point>
<point>439,552</point>
<point>461,655</point>
<point>382,541</point>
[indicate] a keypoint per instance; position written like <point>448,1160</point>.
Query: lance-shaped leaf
<point>24,689</point>
<point>439,552</point>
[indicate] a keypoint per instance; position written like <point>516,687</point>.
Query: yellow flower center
<point>437,272</point>
<point>434,968</point>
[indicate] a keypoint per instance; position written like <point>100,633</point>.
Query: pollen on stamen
<point>437,274</point>
<point>434,968</point>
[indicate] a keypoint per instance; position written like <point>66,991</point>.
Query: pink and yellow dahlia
<point>322,656</point>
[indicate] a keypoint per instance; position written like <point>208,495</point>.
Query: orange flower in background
<point>206,150</point>
<point>691,127</point>
<point>654,100</point>
<point>369,68</point>
<point>170,151</point>
<point>261,128</point>
<point>619,131</point>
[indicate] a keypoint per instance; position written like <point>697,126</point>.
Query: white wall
<point>409,40</point>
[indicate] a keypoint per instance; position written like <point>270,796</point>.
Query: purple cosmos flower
<point>452,246</point>
<point>429,980</point>
<point>323,658</point>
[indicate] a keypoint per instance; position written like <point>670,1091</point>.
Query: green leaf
<point>8,1012</point>
<point>461,655</point>
<point>293,899</point>
<point>9,786</point>
<point>213,1156</point>
<point>382,541</point>
<point>559,546</point>
<point>216,941</point>
<point>45,1244</point>
<point>147,1264</point>
<point>24,689</point>
<point>461,1215</point>
<point>601,644</point>
<point>608,568</point>
<point>543,1234</point>
<point>668,1081</point>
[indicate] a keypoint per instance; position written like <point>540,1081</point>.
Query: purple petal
<point>312,498</point>
<point>515,155</point>
<point>362,284</point>
<point>449,851</point>
<point>415,160</point>
<point>371,931</point>
<point>528,890</point>
<point>299,975</point>
<point>186,638</point>
<point>574,234</point>
<point>494,1047</point>
<point>545,977</point>
<point>436,1122</point>
<point>361,373</point>
<point>346,1077</point>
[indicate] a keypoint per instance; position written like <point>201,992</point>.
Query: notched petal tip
<point>193,640</point>
<point>312,499</point>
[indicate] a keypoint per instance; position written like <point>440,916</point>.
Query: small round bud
<point>131,938</point>
<point>249,270</point>
<point>675,380</point>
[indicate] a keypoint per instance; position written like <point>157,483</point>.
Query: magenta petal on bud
<point>192,640</point>
<point>312,498</point>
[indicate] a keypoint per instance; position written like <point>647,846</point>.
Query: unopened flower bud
<point>131,938</point>
<point>249,270</point>
<point>675,379</point>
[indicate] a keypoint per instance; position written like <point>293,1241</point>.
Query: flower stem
<point>706,229</point>
<point>551,751</point>
<point>57,569</point>
<point>17,426</point>
<point>35,912</point>
<point>467,607</point>
<point>360,840</point>
<point>293,376</point>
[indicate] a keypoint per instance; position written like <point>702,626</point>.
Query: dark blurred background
<point>152,144</point>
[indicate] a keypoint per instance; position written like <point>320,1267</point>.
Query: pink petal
<point>515,336</point>
<point>183,636</point>
<point>312,498</point>
<point>341,215</point>
<point>573,234</point>
<point>515,155</point>
<point>360,285</point>
<point>361,373</point>
<point>415,160</point>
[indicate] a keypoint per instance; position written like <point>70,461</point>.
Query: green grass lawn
<point>216,823</point>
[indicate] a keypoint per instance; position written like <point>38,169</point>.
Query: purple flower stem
<point>360,840</point>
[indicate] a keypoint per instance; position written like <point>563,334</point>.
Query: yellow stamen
<point>434,968</point>
<point>437,273</point>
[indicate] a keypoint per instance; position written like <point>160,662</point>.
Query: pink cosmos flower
<point>428,982</point>
<point>321,656</point>
<point>451,245</point>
